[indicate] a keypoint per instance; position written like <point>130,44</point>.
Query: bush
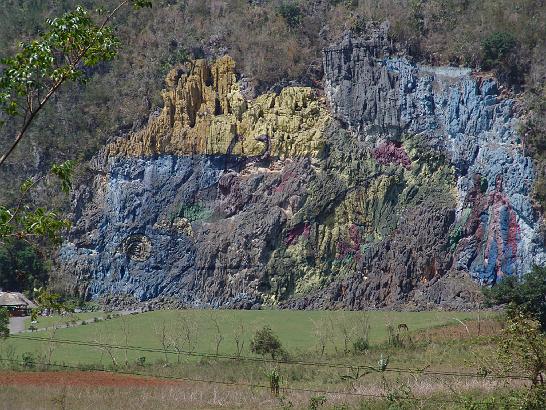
<point>523,347</point>
<point>29,361</point>
<point>496,48</point>
<point>17,257</point>
<point>274,381</point>
<point>291,13</point>
<point>395,340</point>
<point>316,401</point>
<point>266,342</point>
<point>525,293</point>
<point>360,345</point>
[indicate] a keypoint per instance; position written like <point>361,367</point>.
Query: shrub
<point>395,339</point>
<point>274,381</point>
<point>266,342</point>
<point>496,48</point>
<point>16,257</point>
<point>316,401</point>
<point>360,345</point>
<point>523,347</point>
<point>291,13</point>
<point>525,293</point>
<point>29,361</point>
<point>358,24</point>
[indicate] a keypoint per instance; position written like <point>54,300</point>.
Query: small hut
<point>16,303</point>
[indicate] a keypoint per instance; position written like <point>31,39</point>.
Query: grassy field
<point>436,341</point>
<point>302,333</point>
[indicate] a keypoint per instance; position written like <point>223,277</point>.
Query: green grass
<point>436,341</point>
<point>296,330</point>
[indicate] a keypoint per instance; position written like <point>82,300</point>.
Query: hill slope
<point>348,203</point>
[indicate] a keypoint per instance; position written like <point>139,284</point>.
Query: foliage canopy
<point>527,294</point>
<point>65,52</point>
<point>496,47</point>
<point>266,342</point>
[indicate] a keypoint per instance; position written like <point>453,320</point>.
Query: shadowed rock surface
<point>405,187</point>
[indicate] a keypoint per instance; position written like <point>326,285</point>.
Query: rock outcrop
<point>205,113</point>
<point>463,116</point>
<point>398,189</point>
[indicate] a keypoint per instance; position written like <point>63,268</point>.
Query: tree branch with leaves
<point>65,52</point>
<point>73,43</point>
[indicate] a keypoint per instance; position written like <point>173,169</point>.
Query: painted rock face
<point>396,189</point>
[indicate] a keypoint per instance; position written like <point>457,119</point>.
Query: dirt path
<point>82,379</point>
<point>17,324</point>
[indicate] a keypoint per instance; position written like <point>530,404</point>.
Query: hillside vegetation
<point>273,42</point>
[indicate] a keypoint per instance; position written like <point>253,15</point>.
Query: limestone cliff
<point>205,113</point>
<point>398,189</point>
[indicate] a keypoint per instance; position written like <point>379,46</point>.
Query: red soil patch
<point>76,378</point>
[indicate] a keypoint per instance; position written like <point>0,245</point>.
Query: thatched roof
<point>15,299</point>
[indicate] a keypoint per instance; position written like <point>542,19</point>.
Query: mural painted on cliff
<point>403,179</point>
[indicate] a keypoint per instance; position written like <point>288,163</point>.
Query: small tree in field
<point>218,336</point>
<point>266,342</point>
<point>239,338</point>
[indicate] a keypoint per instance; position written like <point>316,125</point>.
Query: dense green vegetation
<point>527,294</point>
<point>21,267</point>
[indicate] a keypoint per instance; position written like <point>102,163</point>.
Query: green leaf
<point>138,4</point>
<point>64,172</point>
<point>26,185</point>
<point>72,41</point>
